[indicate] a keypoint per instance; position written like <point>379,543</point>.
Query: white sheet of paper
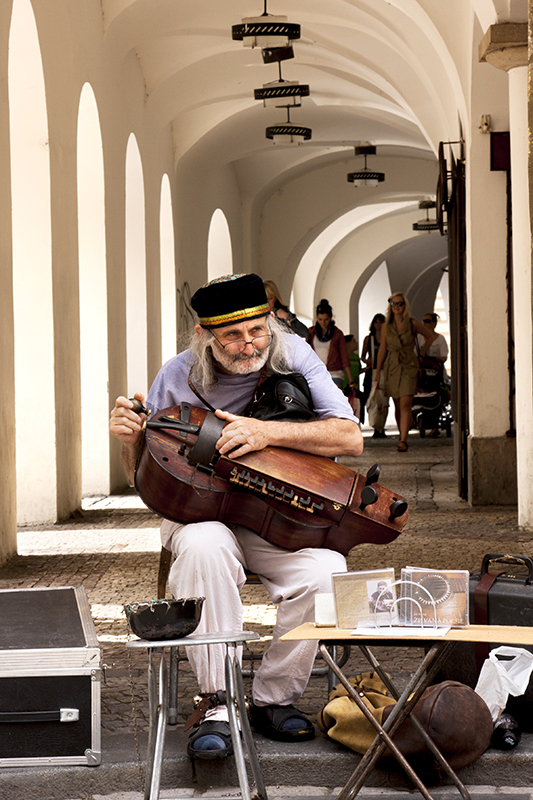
<point>402,631</point>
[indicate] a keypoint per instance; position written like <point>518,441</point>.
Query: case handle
<point>61,715</point>
<point>506,562</point>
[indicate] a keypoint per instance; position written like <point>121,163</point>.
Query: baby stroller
<point>431,403</point>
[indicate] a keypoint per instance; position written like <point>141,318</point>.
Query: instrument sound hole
<point>165,458</point>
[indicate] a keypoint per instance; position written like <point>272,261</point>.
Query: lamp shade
<point>265,31</point>
<point>365,177</point>
<point>288,133</point>
<point>282,94</point>
<point>424,225</point>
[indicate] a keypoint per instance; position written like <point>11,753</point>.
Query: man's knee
<point>207,539</point>
<point>209,551</point>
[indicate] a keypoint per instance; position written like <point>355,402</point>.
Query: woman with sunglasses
<point>400,362</point>
<point>439,349</point>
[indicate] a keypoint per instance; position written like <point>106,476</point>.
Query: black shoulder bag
<point>282,397</point>
<point>277,397</point>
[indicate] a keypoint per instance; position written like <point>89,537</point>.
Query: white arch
<point>136,313</point>
<point>371,300</point>
<point>219,252</point>
<point>168,273</point>
<point>32,272</point>
<point>307,276</point>
<point>93,298</point>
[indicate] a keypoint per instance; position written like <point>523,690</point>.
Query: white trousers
<point>210,559</point>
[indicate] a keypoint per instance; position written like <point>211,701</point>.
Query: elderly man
<point>236,341</point>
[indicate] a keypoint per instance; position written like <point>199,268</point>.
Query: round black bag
<point>283,397</point>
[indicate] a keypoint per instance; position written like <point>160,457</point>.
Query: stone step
<point>319,763</point>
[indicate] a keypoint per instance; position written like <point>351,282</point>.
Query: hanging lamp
<point>365,176</point>
<point>288,132</point>
<point>427,224</point>
<point>266,31</point>
<point>281,93</point>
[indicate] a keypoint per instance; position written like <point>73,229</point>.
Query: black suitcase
<point>504,597</point>
<point>50,675</point>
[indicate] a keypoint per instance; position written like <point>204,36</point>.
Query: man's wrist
<point>130,453</point>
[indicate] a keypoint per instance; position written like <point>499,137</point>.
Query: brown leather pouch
<point>455,717</point>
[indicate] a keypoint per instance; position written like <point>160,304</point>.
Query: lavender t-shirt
<point>233,392</point>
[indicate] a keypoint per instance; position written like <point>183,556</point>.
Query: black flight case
<point>50,677</point>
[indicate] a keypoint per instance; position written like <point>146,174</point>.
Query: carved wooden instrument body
<point>290,498</point>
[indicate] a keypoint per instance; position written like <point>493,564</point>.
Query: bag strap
<point>247,411</point>
<point>193,388</point>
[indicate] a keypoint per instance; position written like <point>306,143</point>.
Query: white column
<point>491,470</point>
<point>505,46</point>
<point>518,114</point>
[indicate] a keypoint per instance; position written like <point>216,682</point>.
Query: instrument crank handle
<point>369,496</point>
<point>397,509</point>
<point>171,424</point>
<point>138,406</point>
<point>372,476</point>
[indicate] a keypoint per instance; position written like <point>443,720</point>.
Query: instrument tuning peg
<point>369,496</point>
<point>372,476</point>
<point>397,509</point>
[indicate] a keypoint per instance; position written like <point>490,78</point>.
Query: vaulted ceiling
<point>394,73</point>
<point>378,71</point>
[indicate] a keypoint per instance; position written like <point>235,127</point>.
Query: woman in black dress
<point>369,355</point>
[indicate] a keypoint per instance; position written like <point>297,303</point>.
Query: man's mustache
<point>243,357</point>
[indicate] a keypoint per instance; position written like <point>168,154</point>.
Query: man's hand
<point>124,423</point>
<point>322,437</point>
<point>244,433</point>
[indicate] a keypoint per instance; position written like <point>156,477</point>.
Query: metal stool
<point>158,693</point>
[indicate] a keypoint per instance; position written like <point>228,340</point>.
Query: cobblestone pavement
<point>323,793</point>
<point>112,549</point>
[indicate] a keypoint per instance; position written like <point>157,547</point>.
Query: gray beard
<point>241,364</point>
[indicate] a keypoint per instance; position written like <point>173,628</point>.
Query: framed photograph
<point>364,598</point>
<point>434,597</point>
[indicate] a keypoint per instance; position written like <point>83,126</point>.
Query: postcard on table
<point>437,597</point>
<point>366,597</point>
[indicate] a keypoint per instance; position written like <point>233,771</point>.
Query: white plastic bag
<point>500,678</point>
<point>377,406</point>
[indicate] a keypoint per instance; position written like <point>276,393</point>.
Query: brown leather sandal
<point>403,447</point>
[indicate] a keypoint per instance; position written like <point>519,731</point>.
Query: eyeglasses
<point>258,343</point>
<point>398,303</point>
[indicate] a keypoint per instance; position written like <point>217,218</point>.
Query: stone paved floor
<point>112,549</point>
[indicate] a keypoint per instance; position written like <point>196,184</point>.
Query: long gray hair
<point>203,370</point>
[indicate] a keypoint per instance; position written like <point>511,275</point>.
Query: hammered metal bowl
<point>164,619</point>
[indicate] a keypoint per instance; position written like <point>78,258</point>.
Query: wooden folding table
<point>438,648</point>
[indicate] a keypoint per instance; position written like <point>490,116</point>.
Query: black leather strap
<point>481,612</point>
<point>204,450</point>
